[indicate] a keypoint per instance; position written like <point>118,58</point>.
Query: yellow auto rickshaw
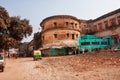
<point>37,54</point>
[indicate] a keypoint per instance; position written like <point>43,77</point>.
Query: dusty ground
<point>89,66</point>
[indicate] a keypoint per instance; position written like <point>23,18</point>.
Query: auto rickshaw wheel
<point>35,59</point>
<point>2,69</point>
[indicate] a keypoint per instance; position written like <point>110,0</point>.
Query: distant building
<point>26,49</point>
<point>23,49</point>
<point>13,51</point>
<point>108,24</point>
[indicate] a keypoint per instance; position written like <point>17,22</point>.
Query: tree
<point>12,30</point>
<point>37,40</point>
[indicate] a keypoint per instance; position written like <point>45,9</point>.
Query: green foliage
<point>12,29</point>
<point>37,40</point>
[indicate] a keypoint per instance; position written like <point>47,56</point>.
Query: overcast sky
<point>37,10</point>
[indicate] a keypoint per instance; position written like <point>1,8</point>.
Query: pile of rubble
<point>87,61</point>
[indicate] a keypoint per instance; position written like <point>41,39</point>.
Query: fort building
<point>60,30</point>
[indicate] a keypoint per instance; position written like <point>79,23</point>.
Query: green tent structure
<point>91,42</point>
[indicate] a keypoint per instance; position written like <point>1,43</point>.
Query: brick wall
<point>57,29</point>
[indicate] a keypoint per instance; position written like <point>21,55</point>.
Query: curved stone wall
<point>56,29</point>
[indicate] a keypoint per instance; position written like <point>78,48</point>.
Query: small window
<point>66,23</point>
<point>55,35</point>
<point>100,26</point>
<point>73,36</point>
<point>55,23</point>
<point>113,22</point>
<point>106,24</point>
<point>82,43</point>
<point>76,24</point>
<point>67,34</point>
<point>72,24</point>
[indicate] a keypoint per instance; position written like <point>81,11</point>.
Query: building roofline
<point>108,14</point>
<point>59,16</point>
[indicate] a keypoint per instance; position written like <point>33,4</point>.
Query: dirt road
<point>93,66</point>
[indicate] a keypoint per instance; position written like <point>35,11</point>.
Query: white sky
<point>37,10</point>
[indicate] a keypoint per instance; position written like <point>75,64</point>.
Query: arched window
<point>73,37</point>
<point>100,26</point>
<point>72,24</point>
<point>113,22</point>
<point>106,24</point>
